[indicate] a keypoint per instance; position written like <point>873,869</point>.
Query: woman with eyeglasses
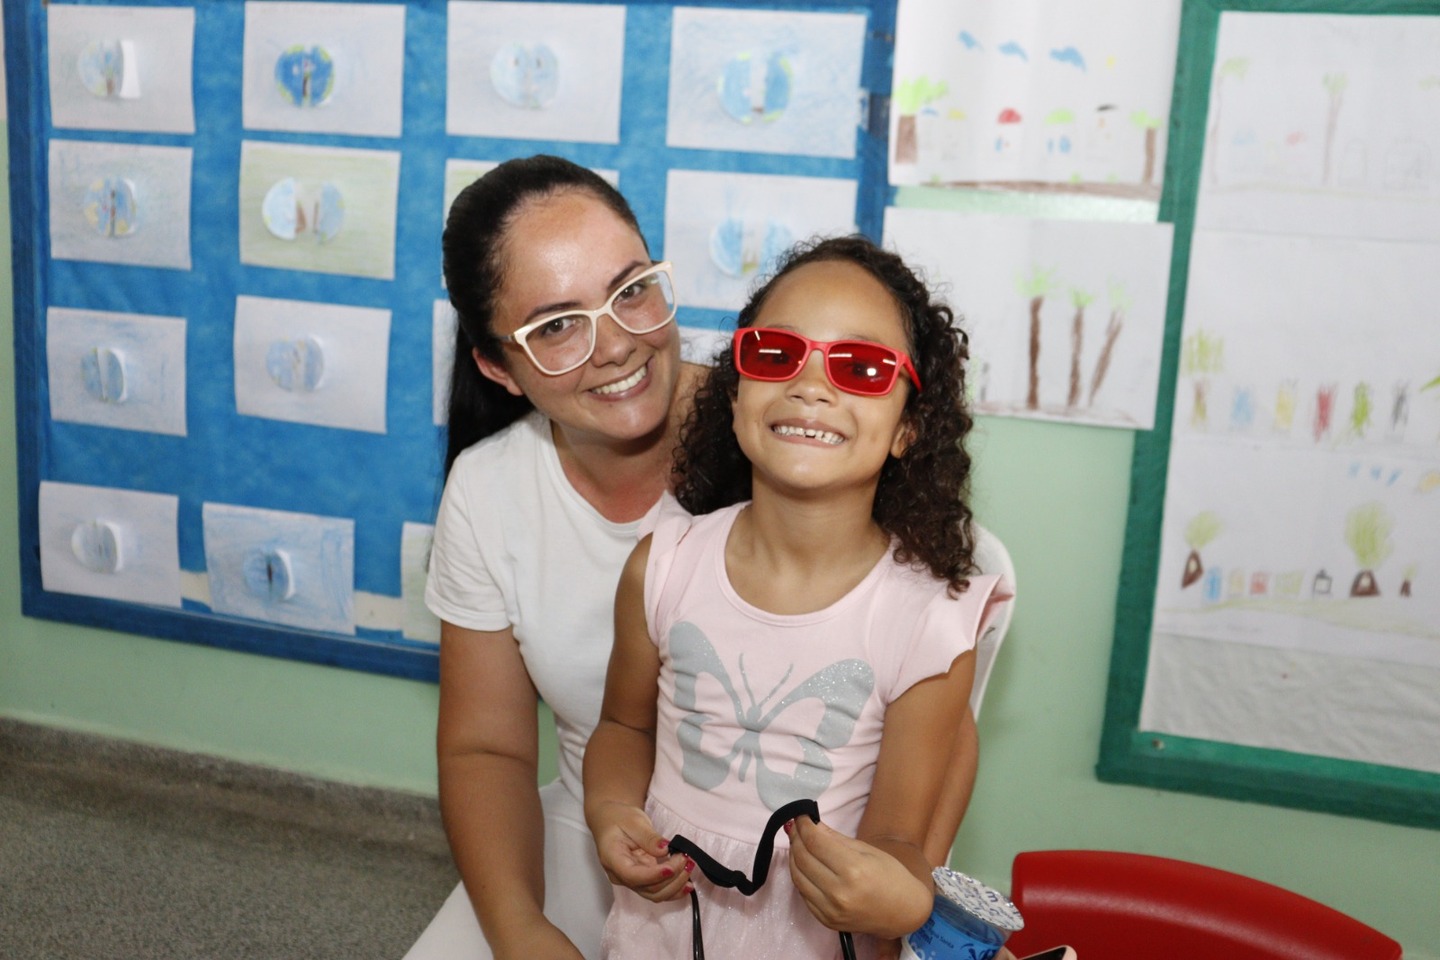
<point>564,401</point>
<point>566,393</point>
<point>800,626</point>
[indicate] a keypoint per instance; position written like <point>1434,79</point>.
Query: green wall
<point>1055,494</point>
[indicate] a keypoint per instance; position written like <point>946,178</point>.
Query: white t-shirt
<point>517,546</point>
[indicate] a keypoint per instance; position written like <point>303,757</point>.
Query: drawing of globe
<point>305,75</point>
<point>102,67</point>
<point>110,207</point>
<point>279,209</point>
<point>295,365</point>
<point>740,250</point>
<point>526,77</point>
<point>754,88</point>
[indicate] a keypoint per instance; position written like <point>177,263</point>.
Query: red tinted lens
<point>769,354</point>
<point>860,367</point>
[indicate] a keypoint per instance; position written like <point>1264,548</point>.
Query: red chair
<point>1129,906</point>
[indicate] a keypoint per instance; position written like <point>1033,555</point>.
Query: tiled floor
<point>113,851</point>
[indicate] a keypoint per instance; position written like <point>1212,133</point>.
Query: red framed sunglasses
<point>855,366</point>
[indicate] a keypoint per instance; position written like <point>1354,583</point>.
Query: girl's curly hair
<point>922,496</point>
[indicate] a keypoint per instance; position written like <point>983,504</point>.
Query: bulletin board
<point>229,308</point>
<point>1278,621</point>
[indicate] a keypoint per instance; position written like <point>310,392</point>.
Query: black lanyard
<point>723,876</point>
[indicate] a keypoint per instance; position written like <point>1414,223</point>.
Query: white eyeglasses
<point>559,342</point>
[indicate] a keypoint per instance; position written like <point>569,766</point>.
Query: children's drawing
<point>347,58</point>
<point>120,203</point>
<point>765,81</point>
<point>109,543</point>
<point>315,363</point>
<point>722,230</point>
<point>534,71</point>
<point>1310,132</point>
<point>111,208</point>
<point>305,75</point>
<point>755,88</point>
<point>1038,95</point>
<point>121,68</point>
<point>1329,525</point>
<point>326,209</point>
<point>292,209</point>
<point>1031,293</point>
<point>287,568</point>
<point>420,623</point>
<point>109,68</point>
<point>526,76</point>
<point>116,370</point>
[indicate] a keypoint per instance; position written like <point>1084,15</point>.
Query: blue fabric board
<point>381,481</point>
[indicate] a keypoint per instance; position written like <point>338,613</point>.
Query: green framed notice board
<point>1277,637</point>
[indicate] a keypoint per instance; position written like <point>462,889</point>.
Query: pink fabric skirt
<point>773,923</point>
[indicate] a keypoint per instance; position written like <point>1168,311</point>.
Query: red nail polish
<point>787,825</point>
<point>689,865</point>
<point>667,872</point>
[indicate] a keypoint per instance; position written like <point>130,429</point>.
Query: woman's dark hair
<point>475,264</point>
<point>921,497</point>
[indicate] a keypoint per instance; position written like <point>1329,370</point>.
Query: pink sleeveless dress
<point>758,709</point>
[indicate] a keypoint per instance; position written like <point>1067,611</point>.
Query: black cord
<point>723,876</point>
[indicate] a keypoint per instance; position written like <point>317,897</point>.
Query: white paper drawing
<point>121,68</point>
<point>1038,95</point>
<point>120,203</point>
<point>415,541</point>
<point>765,81</point>
<point>722,230</point>
<point>1324,124</point>
<point>1065,317</point>
<point>443,326</point>
<point>534,71</point>
<point>325,209</point>
<point>1303,491</point>
<point>116,369</point>
<point>308,362</point>
<point>288,568</point>
<point>324,67</point>
<point>109,543</point>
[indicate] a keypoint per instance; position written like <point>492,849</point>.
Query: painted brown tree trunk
<point>1364,585</point>
<point>1151,135</point>
<point>1077,344</point>
<point>1032,396</point>
<point>907,141</point>
<point>1102,363</point>
<point>1193,569</point>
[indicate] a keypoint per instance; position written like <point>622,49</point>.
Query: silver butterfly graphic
<point>842,688</point>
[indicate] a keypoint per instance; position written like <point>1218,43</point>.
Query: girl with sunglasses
<point>800,625</point>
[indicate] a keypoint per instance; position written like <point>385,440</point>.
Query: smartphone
<point>1054,953</point>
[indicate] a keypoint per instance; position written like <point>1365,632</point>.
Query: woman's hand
<point>635,856</point>
<point>851,885</point>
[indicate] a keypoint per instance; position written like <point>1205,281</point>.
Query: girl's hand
<point>850,885</point>
<point>635,856</point>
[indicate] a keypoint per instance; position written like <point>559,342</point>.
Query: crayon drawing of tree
<point>1151,126</point>
<point>1119,303</point>
<point>1367,532</point>
<point>1201,355</point>
<point>1035,287</point>
<point>1081,299</point>
<point>1199,532</point>
<point>910,96</point>
<point>1236,68</point>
